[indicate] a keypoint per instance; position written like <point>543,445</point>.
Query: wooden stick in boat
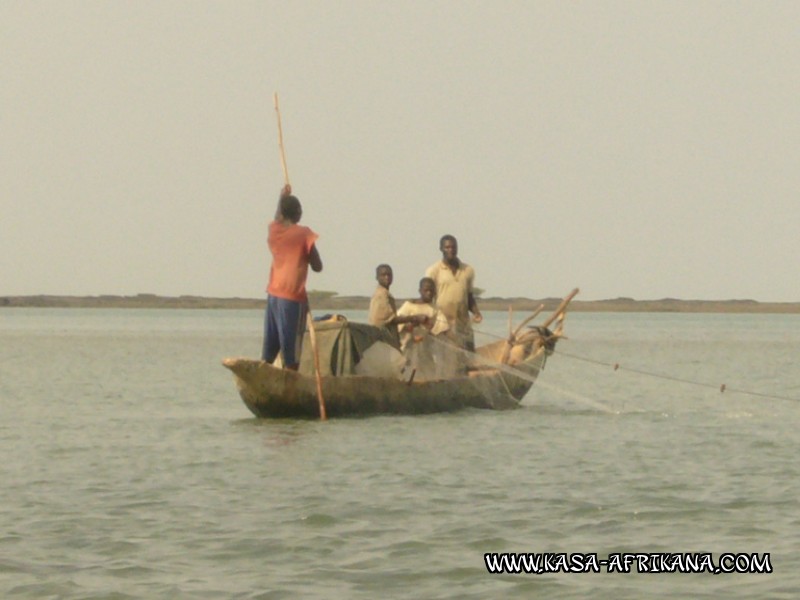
<point>512,335</point>
<point>280,140</point>
<point>312,334</point>
<point>560,308</point>
<point>535,314</point>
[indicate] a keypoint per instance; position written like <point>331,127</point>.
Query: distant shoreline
<point>331,302</point>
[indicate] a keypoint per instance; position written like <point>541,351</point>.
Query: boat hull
<point>270,392</point>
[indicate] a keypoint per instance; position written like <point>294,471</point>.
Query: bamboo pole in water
<point>312,334</point>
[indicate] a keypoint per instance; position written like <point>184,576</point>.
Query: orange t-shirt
<point>290,246</point>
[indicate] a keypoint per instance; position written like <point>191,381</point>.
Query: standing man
<point>454,293</point>
<point>293,249</point>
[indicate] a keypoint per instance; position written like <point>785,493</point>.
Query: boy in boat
<point>293,249</point>
<point>421,351</point>
<point>382,306</point>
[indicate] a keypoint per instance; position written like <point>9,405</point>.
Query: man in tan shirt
<point>454,293</point>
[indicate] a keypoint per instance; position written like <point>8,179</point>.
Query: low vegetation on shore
<point>330,301</point>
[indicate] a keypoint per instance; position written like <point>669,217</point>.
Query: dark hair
<point>382,266</point>
<point>446,237</point>
<point>290,208</point>
<point>427,280</point>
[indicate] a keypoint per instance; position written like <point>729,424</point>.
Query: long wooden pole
<point>312,333</point>
<point>280,140</point>
<point>561,308</point>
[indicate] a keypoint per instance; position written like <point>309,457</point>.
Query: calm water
<point>131,468</point>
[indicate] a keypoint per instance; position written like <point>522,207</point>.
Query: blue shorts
<point>284,325</point>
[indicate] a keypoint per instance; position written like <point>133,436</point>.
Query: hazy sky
<point>642,149</point>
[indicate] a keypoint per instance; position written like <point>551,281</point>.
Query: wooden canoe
<point>501,374</point>
<point>271,392</point>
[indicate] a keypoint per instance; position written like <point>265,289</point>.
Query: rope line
<point>618,367</point>
<point>721,388</point>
